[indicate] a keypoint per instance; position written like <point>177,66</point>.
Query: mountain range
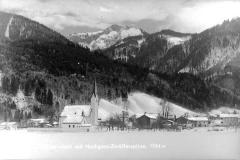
<point>212,54</point>
<point>41,71</point>
<point>105,38</point>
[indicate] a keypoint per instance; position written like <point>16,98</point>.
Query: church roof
<point>76,110</point>
<point>73,119</point>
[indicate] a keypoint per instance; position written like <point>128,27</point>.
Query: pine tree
<point>21,116</point>
<point>49,97</point>
<point>17,115</point>
<point>5,116</point>
<point>109,94</point>
<point>29,115</point>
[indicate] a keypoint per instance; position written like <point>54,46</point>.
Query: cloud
<point>103,9</point>
<point>152,15</point>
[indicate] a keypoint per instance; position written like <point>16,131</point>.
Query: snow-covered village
<point>129,79</point>
<point>138,112</point>
<point>134,127</point>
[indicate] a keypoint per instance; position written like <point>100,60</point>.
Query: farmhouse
<point>182,120</point>
<point>192,121</point>
<point>229,119</point>
<point>146,120</point>
<point>198,121</point>
<point>81,116</point>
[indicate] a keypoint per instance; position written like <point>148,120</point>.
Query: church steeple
<point>94,105</point>
<point>94,93</point>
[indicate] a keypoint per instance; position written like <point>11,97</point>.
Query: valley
<point>44,71</point>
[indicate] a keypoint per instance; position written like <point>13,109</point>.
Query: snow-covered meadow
<point>187,144</point>
<point>139,103</point>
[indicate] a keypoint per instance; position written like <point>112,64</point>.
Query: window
<point>69,126</point>
<point>73,126</point>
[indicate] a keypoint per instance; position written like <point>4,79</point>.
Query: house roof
<point>213,115</point>
<point>170,121</point>
<point>8,123</point>
<point>39,120</point>
<point>224,115</point>
<point>76,110</point>
<point>73,119</point>
<point>149,115</point>
<point>197,118</point>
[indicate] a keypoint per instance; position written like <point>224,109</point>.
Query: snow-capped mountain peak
<point>85,34</point>
<point>176,40</point>
<point>105,38</point>
<point>173,37</point>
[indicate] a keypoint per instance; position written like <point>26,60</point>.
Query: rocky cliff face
<point>146,51</point>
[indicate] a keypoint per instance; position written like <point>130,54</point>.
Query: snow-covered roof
<point>197,118</point>
<point>8,123</point>
<point>39,120</point>
<point>86,125</point>
<point>213,115</point>
<point>170,121</point>
<point>225,110</point>
<point>76,110</point>
<point>73,119</point>
<point>149,115</point>
<point>223,115</point>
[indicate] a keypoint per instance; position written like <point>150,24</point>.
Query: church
<point>81,116</point>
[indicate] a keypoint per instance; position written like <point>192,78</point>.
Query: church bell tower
<point>94,105</point>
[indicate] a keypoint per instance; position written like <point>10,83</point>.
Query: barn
<point>146,120</point>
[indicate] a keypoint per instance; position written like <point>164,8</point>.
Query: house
<point>146,120</point>
<point>182,122</point>
<point>167,123</point>
<point>37,122</point>
<point>229,119</point>
<point>214,120</point>
<point>55,124</point>
<point>8,125</point>
<point>81,116</point>
<point>198,121</point>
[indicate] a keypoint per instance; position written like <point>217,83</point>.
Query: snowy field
<point>130,145</point>
<point>139,103</point>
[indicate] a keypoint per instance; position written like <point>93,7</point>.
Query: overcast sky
<point>68,16</point>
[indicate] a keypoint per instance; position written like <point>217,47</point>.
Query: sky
<point>71,16</point>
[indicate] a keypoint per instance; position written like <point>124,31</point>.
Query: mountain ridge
<point>212,54</point>
<point>105,38</point>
